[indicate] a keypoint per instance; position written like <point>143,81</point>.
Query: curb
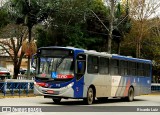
<point>23,96</point>
<point>153,94</point>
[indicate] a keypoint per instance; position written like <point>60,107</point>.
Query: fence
<point>13,87</point>
<point>21,87</point>
<point>155,87</point>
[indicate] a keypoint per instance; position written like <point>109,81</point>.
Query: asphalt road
<point>114,105</point>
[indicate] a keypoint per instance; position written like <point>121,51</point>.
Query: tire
<point>90,96</point>
<point>130,96</point>
<point>56,100</point>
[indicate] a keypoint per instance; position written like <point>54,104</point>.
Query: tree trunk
<point>109,44</point>
<point>137,47</point>
<point>112,6</point>
<point>17,64</point>
<point>118,48</point>
<point>16,69</point>
<point>29,40</point>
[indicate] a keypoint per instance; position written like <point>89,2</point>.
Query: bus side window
<point>147,70</point>
<point>103,65</point>
<point>140,69</point>
<point>92,66</point>
<point>123,67</point>
<point>114,67</point>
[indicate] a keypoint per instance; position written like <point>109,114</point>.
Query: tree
<point>122,25</point>
<point>29,13</point>
<point>118,22</point>
<point>21,13</point>
<point>97,26</point>
<point>84,26</point>
<point>4,18</point>
<point>140,11</point>
<point>13,35</point>
<point>66,24</point>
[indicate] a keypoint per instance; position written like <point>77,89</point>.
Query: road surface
<point>145,103</point>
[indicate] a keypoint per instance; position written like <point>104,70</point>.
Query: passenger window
<point>92,64</point>
<point>140,69</point>
<point>115,67</point>
<point>103,65</point>
<point>124,67</point>
<point>133,68</point>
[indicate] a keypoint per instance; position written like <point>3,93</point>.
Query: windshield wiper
<point>59,62</point>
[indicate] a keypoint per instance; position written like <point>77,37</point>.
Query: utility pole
<point>29,25</point>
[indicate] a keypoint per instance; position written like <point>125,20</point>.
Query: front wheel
<point>90,96</point>
<point>56,100</point>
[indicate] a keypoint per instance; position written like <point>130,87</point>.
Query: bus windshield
<point>55,67</point>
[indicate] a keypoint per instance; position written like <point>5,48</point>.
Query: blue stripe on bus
<point>59,85</point>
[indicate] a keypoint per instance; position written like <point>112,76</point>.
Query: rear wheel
<point>130,96</point>
<point>56,100</point>
<point>90,96</point>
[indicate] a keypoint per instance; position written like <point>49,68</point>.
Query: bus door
<point>79,73</point>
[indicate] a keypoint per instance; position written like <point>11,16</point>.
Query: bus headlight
<point>70,85</point>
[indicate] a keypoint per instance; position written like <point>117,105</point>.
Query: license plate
<point>50,91</point>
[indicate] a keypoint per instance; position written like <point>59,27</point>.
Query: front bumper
<point>58,92</point>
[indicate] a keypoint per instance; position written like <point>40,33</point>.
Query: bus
<point>68,72</point>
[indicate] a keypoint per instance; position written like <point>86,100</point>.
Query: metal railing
<point>13,87</point>
<point>155,87</point>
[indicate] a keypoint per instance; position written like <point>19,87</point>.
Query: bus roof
<point>92,52</point>
<point>68,47</point>
<point>128,58</point>
<point>113,56</point>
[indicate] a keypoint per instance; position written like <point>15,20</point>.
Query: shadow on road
<point>81,102</point>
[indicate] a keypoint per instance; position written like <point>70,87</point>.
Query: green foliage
<point>65,23</point>
<point>30,12</point>
<point>4,18</point>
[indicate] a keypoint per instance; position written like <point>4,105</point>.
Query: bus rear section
<point>130,76</point>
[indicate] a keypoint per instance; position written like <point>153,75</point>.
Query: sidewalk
<point>155,93</point>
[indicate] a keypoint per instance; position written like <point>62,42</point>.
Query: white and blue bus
<point>68,72</point>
